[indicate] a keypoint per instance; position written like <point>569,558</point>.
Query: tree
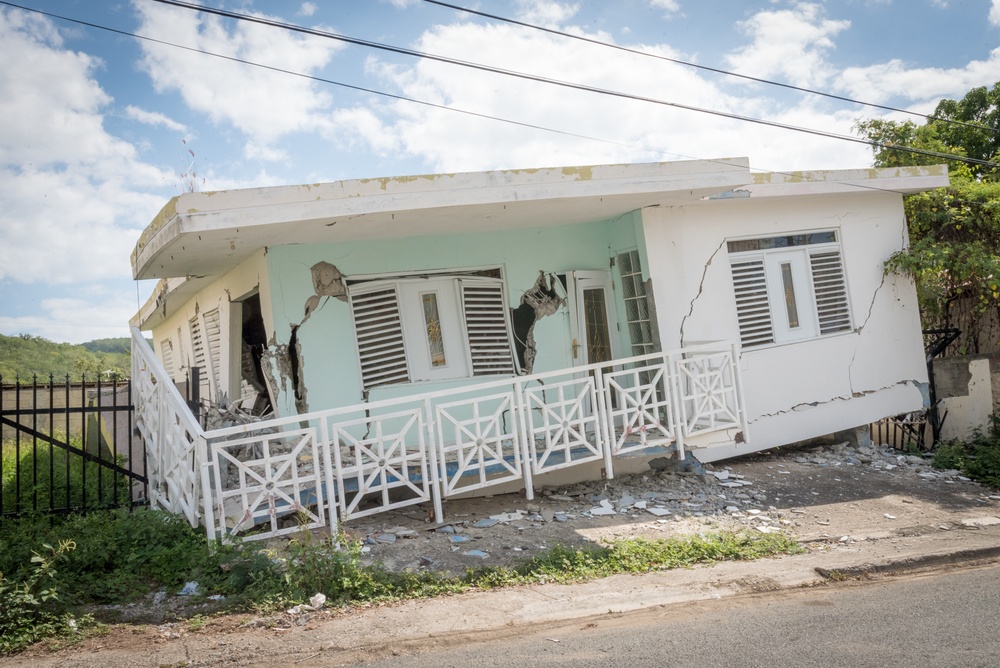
<point>954,254</point>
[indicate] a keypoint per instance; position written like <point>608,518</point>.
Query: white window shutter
<point>830,287</point>
<point>487,327</point>
<point>379,331</point>
<point>198,351</point>
<point>752,307</point>
<point>213,337</point>
<point>167,356</point>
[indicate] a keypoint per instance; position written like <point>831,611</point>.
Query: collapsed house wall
<point>175,312</point>
<point>796,390</point>
<point>323,327</point>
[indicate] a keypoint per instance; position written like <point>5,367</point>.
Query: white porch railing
<point>368,458</point>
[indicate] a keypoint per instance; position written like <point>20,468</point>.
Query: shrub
<point>24,615</point>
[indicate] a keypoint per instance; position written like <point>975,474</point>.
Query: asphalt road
<point>944,619</point>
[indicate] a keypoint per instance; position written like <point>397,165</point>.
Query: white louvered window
<point>213,339</point>
<point>379,331</point>
<point>167,356</point>
<point>487,327</point>
<point>789,288</point>
<point>432,327</point>
<point>200,358</point>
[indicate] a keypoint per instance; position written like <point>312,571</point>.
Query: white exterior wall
<point>221,293</point>
<point>809,388</point>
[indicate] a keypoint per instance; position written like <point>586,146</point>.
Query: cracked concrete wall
<point>809,388</point>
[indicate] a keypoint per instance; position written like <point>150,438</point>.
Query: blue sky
<point>98,130</point>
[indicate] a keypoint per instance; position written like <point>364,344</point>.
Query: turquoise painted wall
<point>329,356</point>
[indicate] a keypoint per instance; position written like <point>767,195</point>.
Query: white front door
<point>593,322</point>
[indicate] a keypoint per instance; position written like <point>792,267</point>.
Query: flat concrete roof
<point>200,234</point>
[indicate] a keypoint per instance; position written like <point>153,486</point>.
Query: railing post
<point>436,475</point>
<point>332,493</point>
<point>527,472</point>
<point>202,450</point>
<point>603,421</point>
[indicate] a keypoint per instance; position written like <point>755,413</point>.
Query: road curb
<point>969,557</point>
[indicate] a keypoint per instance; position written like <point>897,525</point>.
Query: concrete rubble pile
<point>672,493</point>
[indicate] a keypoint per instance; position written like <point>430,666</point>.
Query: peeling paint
<point>286,361</point>
<point>581,173</point>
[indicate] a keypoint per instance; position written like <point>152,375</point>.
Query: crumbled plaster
<point>328,281</point>
<point>540,301</point>
<point>282,366</point>
<point>286,360</point>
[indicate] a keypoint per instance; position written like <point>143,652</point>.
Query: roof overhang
<point>896,180</point>
<point>207,234</point>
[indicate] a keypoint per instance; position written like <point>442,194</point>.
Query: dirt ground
<point>821,494</point>
<point>827,496</point>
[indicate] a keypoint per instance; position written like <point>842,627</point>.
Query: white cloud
<point>308,9</point>
<point>882,82</point>
<point>995,13</point>
<point>450,141</point>
<point>788,44</point>
<point>153,118</point>
<point>74,196</point>
<point>545,12</point>
<point>669,6</point>
<point>76,319</point>
<point>263,104</point>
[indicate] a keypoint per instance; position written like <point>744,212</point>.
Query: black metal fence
<point>68,447</point>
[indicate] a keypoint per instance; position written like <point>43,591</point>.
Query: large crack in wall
<point>540,301</point>
<point>701,288</point>
<point>287,361</point>
<point>854,395</point>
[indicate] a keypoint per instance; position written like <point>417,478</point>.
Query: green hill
<point>25,356</point>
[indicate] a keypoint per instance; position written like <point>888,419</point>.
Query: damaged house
<point>375,343</point>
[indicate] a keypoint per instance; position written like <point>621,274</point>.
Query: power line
<point>564,84</point>
<point>706,68</point>
<point>943,156</point>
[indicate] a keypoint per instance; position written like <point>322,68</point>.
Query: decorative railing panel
<point>477,442</point>
<point>386,468</point>
<point>709,392</point>
<point>271,481</point>
<point>640,410</point>
<point>563,424</point>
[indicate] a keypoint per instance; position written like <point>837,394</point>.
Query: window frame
<point>822,296</point>
<point>486,350</point>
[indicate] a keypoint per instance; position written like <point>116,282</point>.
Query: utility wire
<point>706,68</point>
<point>943,156</point>
<point>564,84</point>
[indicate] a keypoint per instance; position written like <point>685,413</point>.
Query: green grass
<point>52,478</point>
<point>120,556</point>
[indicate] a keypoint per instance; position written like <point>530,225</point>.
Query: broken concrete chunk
<point>659,512</point>
<point>476,553</point>
<point>486,522</point>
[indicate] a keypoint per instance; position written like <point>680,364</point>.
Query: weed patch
<point>979,458</point>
